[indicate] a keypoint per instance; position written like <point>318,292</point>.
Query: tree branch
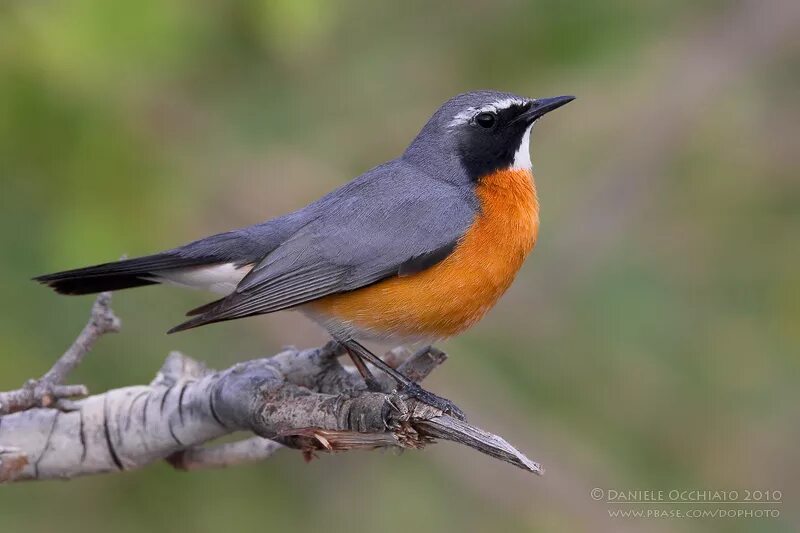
<point>244,451</point>
<point>304,400</point>
<point>49,389</point>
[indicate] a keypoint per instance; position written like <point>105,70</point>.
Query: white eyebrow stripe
<point>505,103</point>
<point>466,115</point>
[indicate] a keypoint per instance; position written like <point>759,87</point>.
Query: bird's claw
<point>437,402</point>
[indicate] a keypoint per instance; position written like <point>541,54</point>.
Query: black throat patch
<point>483,151</point>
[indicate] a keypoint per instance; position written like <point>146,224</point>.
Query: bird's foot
<point>373,385</point>
<point>443,404</point>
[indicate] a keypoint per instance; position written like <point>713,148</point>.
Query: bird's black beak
<point>542,106</point>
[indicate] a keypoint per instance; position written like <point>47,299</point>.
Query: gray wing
<point>385,224</point>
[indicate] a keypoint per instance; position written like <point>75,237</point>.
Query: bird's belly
<point>452,295</point>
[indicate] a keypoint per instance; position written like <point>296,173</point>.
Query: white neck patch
<point>522,157</point>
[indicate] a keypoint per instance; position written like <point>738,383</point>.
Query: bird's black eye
<point>485,120</point>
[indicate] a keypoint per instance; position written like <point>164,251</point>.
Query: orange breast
<point>455,293</point>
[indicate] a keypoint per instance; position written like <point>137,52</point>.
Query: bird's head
<point>483,131</point>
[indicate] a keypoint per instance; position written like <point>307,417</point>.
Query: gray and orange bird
<point>418,248</point>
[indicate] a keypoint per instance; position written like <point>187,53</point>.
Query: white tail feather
<point>221,279</point>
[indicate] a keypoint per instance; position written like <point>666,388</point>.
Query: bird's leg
<point>405,385</point>
<point>361,366</point>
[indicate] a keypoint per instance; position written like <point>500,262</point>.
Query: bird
<point>418,248</point>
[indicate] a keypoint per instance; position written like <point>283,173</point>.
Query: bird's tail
<point>118,274</point>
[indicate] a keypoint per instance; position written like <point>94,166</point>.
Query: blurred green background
<point>650,342</point>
